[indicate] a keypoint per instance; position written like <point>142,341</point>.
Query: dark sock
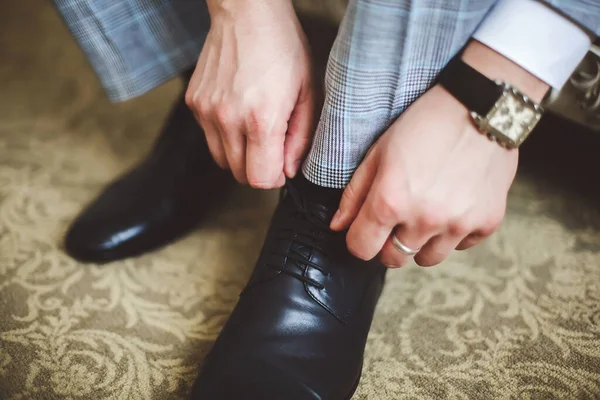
<point>318,194</point>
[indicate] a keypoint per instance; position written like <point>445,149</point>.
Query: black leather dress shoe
<point>299,329</point>
<point>154,203</point>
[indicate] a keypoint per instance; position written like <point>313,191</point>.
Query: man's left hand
<point>431,179</point>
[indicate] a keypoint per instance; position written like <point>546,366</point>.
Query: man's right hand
<point>253,92</point>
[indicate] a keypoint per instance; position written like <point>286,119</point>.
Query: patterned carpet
<point>517,317</point>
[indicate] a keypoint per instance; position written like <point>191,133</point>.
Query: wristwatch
<point>499,110</point>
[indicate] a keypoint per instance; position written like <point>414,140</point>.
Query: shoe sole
<point>355,385</point>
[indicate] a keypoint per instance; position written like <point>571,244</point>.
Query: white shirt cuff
<point>535,37</point>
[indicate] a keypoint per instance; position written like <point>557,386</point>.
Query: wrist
<point>227,7</point>
<point>234,8</point>
<point>495,66</point>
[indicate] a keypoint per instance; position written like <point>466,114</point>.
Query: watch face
<point>513,117</point>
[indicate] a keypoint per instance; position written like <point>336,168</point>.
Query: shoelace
<point>588,83</point>
<point>309,236</point>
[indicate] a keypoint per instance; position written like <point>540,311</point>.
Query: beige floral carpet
<point>515,318</point>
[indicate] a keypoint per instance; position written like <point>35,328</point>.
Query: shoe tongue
<point>316,195</point>
<point>321,202</point>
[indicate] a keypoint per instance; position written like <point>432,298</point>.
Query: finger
<point>190,102</point>
<point>413,238</point>
<point>206,59</point>
<point>192,86</point>
<point>192,92</point>
<point>264,155</point>
<point>355,194</point>
<point>437,249</point>
<point>215,144</point>
<point>234,144</point>
<point>301,128</point>
<point>486,229</point>
<point>470,241</point>
<point>477,236</point>
<point>371,228</point>
<point>233,139</point>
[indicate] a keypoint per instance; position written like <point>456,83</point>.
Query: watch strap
<point>473,89</point>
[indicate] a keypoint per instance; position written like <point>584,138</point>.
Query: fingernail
<point>336,218</point>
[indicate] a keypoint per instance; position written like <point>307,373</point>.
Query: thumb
<point>300,130</point>
<point>355,194</point>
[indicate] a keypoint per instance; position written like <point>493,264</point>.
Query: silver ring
<point>402,248</point>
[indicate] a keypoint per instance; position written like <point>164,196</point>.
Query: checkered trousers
<point>387,53</point>
<point>135,45</point>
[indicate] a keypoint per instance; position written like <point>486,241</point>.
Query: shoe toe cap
<point>99,241</point>
<point>249,379</point>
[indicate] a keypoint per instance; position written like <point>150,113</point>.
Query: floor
<point>516,317</point>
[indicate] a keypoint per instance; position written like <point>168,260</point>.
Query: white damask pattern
<point>517,317</point>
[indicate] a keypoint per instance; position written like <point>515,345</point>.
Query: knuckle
<point>431,217</point>
<point>203,107</point>
<point>224,115</point>
<point>357,250</point>
<point>257,123</point>
<point>459,227</point>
